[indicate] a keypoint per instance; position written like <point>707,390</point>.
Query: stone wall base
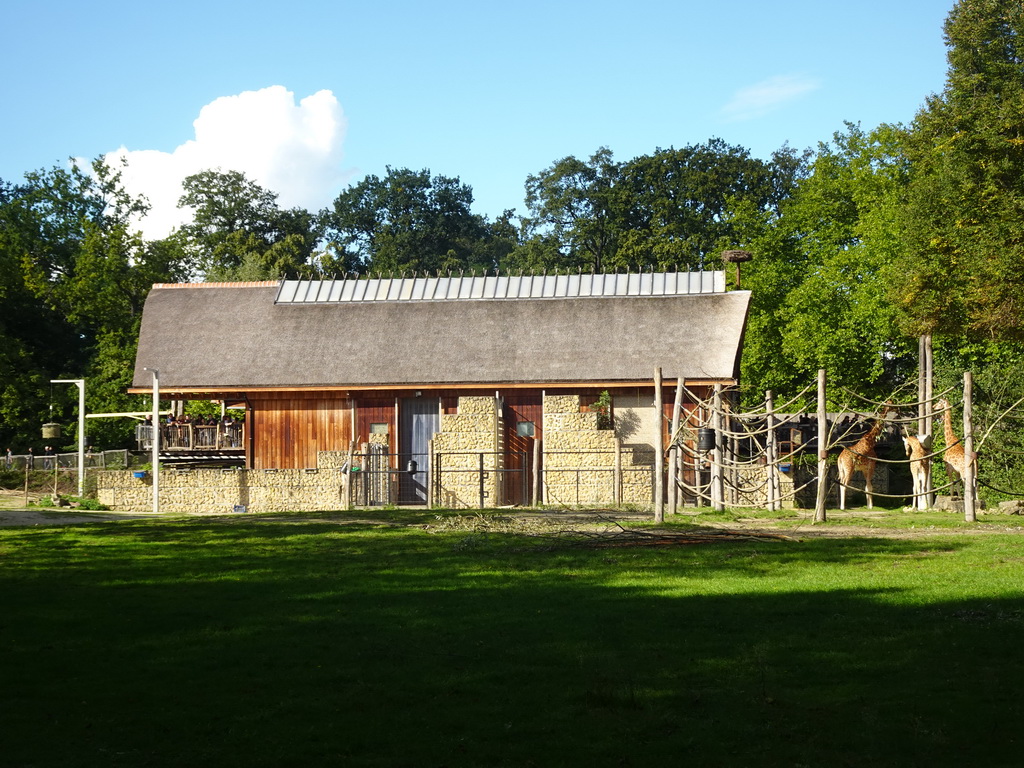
<point>219,492</point>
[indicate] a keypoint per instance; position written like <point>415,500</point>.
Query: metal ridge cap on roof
<point>251,284</point>
<point>498,287</point>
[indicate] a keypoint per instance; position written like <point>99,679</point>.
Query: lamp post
<point>156,439</point>
<point>80,383</point>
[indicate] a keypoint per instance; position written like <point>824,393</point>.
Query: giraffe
<point>918,447</point>
<point>861,457</point>
<point>953,456</point>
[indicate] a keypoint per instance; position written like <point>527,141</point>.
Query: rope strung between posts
<point>1000,490</point>
<point>696,490</point>
<point>746,445</point>
<point>883,403</point>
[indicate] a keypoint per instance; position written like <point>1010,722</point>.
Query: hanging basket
<point>51,431</point>
<point>705,439</point>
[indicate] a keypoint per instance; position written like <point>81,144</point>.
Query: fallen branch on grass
<point>599,533</point>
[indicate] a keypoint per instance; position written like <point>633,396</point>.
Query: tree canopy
<point>963,220</point>
<point>411,221</point>
<point>873,237</point>
<point>667,210</point>
<point>73,279</point>
<point>238,232</point>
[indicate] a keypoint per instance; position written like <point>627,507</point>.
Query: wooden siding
<point>518,480</point>
<point>375,412</point>
<point>289,428</point>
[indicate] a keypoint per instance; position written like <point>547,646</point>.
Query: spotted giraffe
<point>861,457</point>
<point>953,456</point>
<point>918,447</point>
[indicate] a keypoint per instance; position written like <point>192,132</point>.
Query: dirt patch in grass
<point>14,512</point>
<point>874,524</point>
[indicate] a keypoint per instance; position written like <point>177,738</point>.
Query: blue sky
<point>486,92</point>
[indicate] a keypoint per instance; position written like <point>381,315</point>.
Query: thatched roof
<point>209,336</point>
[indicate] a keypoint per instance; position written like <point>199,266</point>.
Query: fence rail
<point>489,478</point>
<point>192,437</point>
<point>497,478</point>
<point>93,460</point>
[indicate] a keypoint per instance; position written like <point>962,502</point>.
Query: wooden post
<point>717,480</point>
<point>430,474</point>
<point>617,474</point>
<point>922,405</point>
<point>437,476</point>
<point>659,451</point>
<point>970,481</point>
<point>734,451</point>
<point>26,481</point>
<point>480,465</point>
<point>364,450</point>
<point>672,503</point>
<point>156,438</point>
<point>929,393</point>
<point>771,451</point>
<point>536,473</point>
<point>673,451</point>
<point>348,474</point>
<point>700,459</point>
<point>822,497</point>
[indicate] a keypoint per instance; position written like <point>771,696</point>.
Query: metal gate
<point>419,419</point>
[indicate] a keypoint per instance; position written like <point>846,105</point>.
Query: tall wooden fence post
<point>617,474</point>
<point>822,496</point>
<point>925,391</point>
<point>673,451</point>
<point>348,474</point>
<point>970,468</point>
<point>659,451</point>
<point>717,479</point>
<point>922,405</point>
<point>480,472</point>
<point>771,449</point>
<point>537,500</point>
<point>430,474</point>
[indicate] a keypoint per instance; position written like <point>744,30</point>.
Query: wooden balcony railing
<point>192,437</point>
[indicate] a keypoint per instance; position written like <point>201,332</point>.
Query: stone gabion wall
<point>331,459</point>
<point>578,464</point>
<point>463,437</point>
<point>579,459</point>
<point>216,491</point>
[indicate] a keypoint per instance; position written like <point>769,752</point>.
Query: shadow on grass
<point>202,643</point>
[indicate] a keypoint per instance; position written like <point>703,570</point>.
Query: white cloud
<point>292,149</point>
<point>767,96</point>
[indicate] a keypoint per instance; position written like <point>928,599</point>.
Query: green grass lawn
<point>247,641</point>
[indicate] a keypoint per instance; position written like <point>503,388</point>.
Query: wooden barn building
<point>430,371</point>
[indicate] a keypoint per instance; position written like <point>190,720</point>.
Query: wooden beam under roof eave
<point>221,393</point>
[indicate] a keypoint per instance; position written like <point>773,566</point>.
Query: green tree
<point>822,268</point>
<point>115,271</point>
<point>572,210</point>
<point>74,279</point>
<point>411,221</point>
<point>675,204</point>
<point>962,226</point>
<point>238,232</point>
<point>963,222</point>
<point>667,210</point>
<point>36,340</point>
